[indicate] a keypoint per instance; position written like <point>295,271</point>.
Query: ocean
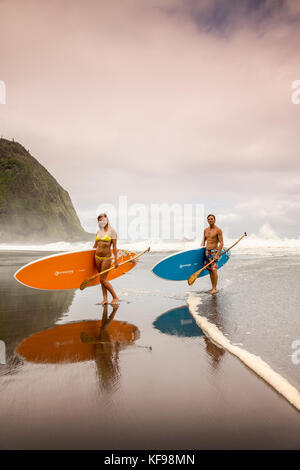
<point>197,372</point>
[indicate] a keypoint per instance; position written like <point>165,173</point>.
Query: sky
<point>161,101</point>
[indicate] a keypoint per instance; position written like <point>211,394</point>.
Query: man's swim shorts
<point>209,256</point>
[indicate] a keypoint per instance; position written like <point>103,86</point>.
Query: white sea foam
<point>260,367</point>
<point>263,245</point>
<point>56,246</point>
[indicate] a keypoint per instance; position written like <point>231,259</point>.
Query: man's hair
<point>211,215</point>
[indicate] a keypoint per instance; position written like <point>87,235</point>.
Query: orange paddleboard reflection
<point>78,341</point>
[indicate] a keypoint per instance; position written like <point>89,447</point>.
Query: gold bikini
<point>105,238</point>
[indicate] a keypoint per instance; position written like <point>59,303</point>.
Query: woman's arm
<point>114,242</point>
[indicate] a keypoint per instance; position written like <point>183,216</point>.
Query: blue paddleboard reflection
<point>178,322</point>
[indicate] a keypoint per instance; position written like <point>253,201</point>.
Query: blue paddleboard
<point>182,265</point>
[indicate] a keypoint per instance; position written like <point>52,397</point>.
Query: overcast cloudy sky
<point>160,100</point>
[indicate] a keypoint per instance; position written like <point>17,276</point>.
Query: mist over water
<point>267,245</point>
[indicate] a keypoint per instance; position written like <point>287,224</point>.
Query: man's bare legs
<point>214,280</point>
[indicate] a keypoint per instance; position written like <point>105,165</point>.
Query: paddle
<point>87,281</point>
<point>194,276</point>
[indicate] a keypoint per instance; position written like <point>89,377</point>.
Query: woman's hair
<point>104,215</point>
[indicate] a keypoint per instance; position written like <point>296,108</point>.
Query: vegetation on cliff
<point>33,206</point>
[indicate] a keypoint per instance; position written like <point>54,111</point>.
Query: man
<point>213,237</point>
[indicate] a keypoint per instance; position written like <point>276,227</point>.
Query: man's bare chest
<point>212,234</point>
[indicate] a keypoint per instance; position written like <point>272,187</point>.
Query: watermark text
<point>155,221</point>
<point>296,353</point>
<point>2,92</point>
<point>295,97</point>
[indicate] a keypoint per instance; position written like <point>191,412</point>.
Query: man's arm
<point>203,239</point>
<point>220,240</point>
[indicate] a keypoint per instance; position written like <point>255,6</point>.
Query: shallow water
<point>108,391</point>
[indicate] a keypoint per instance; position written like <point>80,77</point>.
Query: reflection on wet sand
<point>215,352</point>
<point>178,322</point>
<point>24,311</point>
<point>214,308</point>
<point>107,348</point>
<point>98,340</point>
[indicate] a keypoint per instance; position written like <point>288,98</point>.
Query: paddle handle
<point>113,267</point>
<point>121,264</point>
<point>194,276</point>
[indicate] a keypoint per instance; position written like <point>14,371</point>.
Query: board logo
<point>184,265</point>
<point>189,321</point>
<point>57,273</point>
<point>122,253</point>
<point>63,343</point>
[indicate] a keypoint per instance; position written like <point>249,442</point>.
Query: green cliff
<point>33,206</point>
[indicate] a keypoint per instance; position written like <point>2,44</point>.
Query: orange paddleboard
<point>68,270</point>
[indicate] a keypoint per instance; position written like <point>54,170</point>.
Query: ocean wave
<point>55,246</point>
<point>255,363</point>
<point>252,244</point>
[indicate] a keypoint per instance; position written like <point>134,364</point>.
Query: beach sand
<point>184,393</point>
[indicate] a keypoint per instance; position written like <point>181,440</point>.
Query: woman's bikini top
<point>105,238</point>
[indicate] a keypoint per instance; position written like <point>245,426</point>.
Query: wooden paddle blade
<point>84,284</point>
<point>193,278</point>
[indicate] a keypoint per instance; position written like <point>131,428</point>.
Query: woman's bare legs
<point>106,285</point>
<point>104,293</point>
<point>100,267</point>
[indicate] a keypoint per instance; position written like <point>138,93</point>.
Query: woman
<point>106,236</point>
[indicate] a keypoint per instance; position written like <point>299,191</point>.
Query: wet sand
<point>114,392</point>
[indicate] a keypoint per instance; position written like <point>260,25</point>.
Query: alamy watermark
<point>2,352</point>
<point>2,92</point>
<point>155,221</point>
<point>295,97</point>
<point>296,354</point>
